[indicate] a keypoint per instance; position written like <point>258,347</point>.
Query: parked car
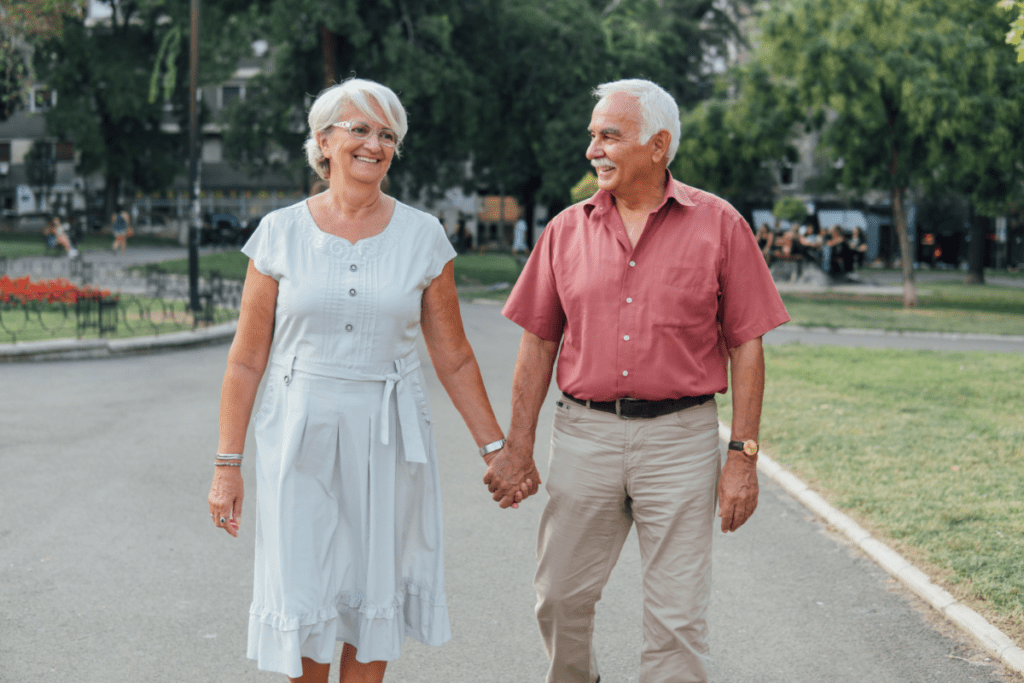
<point>221,229</point>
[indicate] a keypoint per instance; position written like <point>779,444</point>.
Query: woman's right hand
<point>225,499</point>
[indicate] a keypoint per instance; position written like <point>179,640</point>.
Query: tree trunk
<point>111,194</point>
<point>328,49</point>
<point>976,250</point>
<point>899,217</point>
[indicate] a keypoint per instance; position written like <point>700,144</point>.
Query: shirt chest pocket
<point>687,297</point>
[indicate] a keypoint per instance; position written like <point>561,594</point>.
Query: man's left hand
<point>737,491</point>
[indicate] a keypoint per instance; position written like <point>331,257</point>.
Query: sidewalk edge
<point>988,636</point>
<point>875,332</point>
<point>76,349</point>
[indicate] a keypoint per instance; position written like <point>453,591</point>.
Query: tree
<point>728,144</point>
<point>41,169</point>
<point>102,75</point>
<point>1016,27</point>
<point>500,86</point>
<point>977,127</point>
<point>20,22</point>
<point>790,209</point>
<point>865,68</point>
<point>540,70</point>
<point>408,46</point>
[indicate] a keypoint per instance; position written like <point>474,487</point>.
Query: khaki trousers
<point>605,474</point>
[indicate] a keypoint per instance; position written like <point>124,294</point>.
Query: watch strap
<point>487,449</point>
<point>736,446</point>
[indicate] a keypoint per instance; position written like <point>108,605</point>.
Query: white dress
<point>348,532</point>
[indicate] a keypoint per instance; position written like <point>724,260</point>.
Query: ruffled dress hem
<point>278,643</point>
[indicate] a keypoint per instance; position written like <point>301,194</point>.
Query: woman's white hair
<point>360,92</point>
<point>658,110</point>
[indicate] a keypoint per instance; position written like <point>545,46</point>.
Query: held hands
<point>225,499</point>
<point>737,490</point>
<point>511,475</point>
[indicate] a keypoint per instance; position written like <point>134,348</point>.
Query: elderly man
<point>651,287</point>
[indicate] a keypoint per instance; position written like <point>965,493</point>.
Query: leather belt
<point>639,409</point>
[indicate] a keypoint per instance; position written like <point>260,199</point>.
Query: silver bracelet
<point>227,464</point>
<point>491,447</point>
<point>229,456</point>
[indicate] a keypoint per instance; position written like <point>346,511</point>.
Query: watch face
<point>750,447</point>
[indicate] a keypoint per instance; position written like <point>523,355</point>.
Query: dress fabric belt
<point>393,374</point>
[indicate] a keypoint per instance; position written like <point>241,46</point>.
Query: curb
<point>871,332</point>
<point>76,349</point>
<point>988,636</point>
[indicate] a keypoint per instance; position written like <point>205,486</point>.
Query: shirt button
<point>348,328</point>
<point>632,263</point>
<point>625,373</point>
<point>629,299</point>
<point>352,292</point>
<point>353,267</point>
<point>626,337</point>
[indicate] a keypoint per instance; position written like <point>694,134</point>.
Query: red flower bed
<point>23,290</point>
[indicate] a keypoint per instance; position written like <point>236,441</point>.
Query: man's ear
<point>660,142</point>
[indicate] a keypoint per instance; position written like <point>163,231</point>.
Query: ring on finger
<point>222,520</point>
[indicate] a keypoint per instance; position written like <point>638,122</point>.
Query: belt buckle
<point>618,409</point>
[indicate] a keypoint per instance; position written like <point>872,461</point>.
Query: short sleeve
<point>260,249</point>
<point>750,305</point>
<point>440,249</point>
<point>534,303</point>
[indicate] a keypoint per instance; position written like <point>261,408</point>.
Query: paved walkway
<point>110,570</point>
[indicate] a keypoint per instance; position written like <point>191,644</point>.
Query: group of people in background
<point>59,233</point>
<point>835,251</point>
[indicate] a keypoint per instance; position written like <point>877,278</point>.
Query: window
<point>42,99</point>
<point>230,93</point>
<point>786,175</point>
<point>5,152</point>
<point>64,151</point>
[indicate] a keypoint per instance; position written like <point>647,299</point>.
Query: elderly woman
<point>348,528</point>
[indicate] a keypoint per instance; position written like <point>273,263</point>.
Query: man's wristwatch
<point>748,447</point>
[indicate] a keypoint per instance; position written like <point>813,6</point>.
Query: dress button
<point>626,337</point>
<point>625,373</point>
<point>352,292</point>
<point>353,267</point>
<point>632,263</point>
<point>629,299</point>
<point>348,328</point>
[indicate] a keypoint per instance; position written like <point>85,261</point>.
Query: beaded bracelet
<point>227,464</point>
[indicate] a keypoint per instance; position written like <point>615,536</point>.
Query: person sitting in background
<point>57,236</point>
<point>787,247</point>
<point>765,239</point>
<point>858,246</point>
<point>833,252</point>
<point>812,243</point>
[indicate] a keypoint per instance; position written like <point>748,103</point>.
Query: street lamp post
<point>195,223</point>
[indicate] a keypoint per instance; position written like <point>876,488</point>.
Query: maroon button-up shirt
<point>646,322</point>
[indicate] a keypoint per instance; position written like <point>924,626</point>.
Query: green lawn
<point>138,316</point>
<point>16,245</point>
<point>470,269</point>
<point>942,307</point>
<point>925,449</point>
<point>230,264</point>
<point>486,269</point>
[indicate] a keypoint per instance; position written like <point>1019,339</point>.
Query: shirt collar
<point>602,199</point>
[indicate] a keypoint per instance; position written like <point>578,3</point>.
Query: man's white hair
<point>358,91</point>
<point>658,110</point>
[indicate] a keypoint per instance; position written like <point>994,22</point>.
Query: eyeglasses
<point>362,131</point>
